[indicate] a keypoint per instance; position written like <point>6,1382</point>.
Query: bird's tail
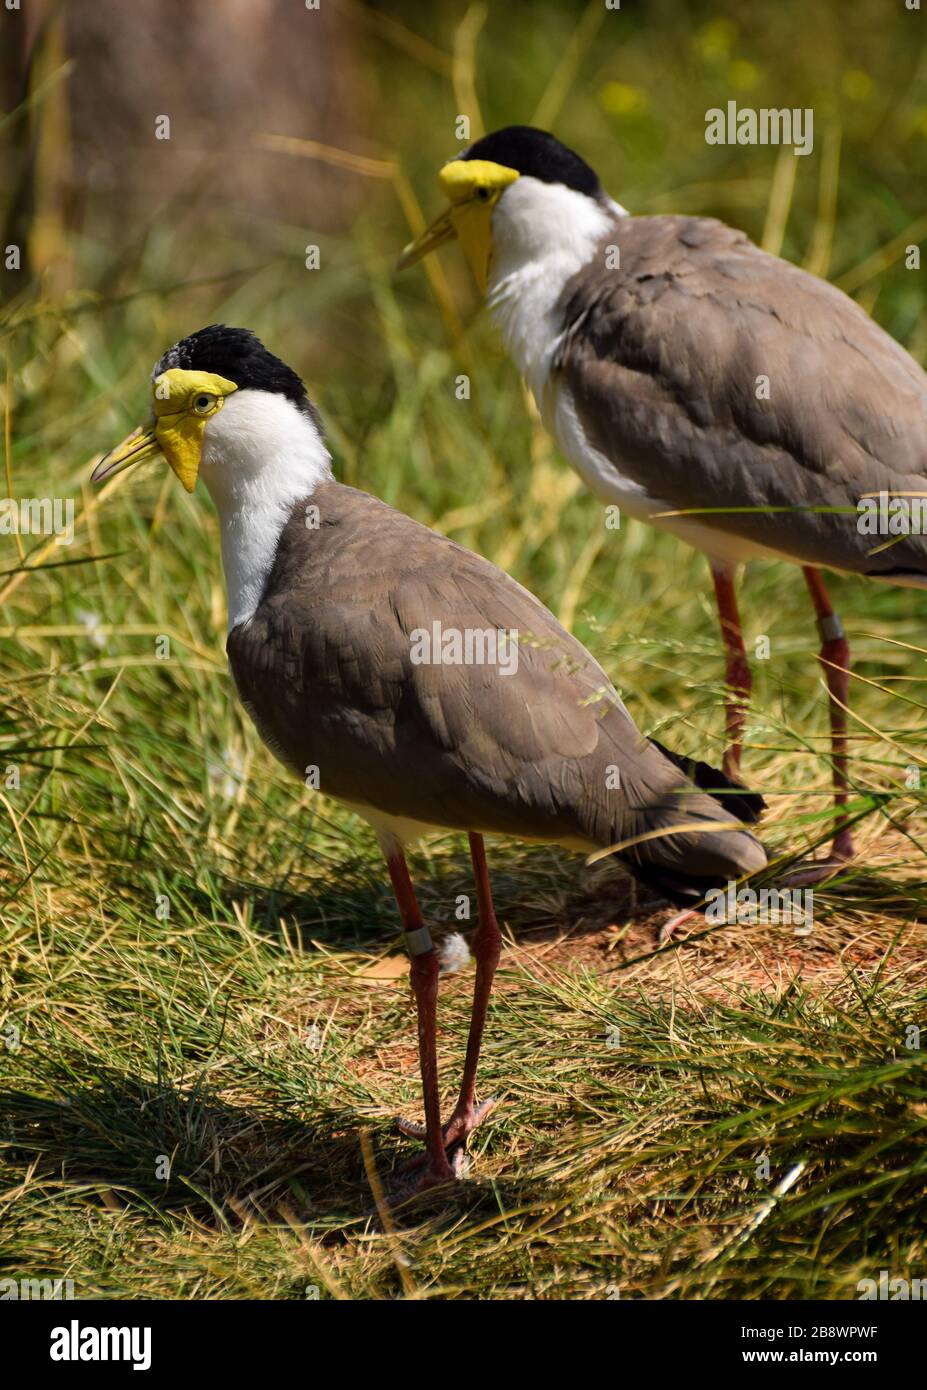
<point>747,806</point>
<point>685,861</point>
<point>689,842</point>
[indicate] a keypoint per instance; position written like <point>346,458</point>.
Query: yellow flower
<point>742,75</point>
<point>857,85</point>
<point>619,99</point>
<point>716,39</point>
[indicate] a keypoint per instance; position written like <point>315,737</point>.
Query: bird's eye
<point>203,403</point>
<point>483,194</point>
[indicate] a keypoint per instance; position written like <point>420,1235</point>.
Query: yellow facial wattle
<point>473,187</point>
<point>183,403</point>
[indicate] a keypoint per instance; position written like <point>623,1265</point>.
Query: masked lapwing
<point>428,688</point>
<point>700,384</point>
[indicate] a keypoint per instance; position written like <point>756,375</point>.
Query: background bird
<point>329,593</point>
<point>700,384</point>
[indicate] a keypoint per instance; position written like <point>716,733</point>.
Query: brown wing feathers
<point>325,668</point>
<point>663,356</point>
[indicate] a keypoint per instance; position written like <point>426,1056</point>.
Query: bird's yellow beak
<point>138,446</point>
<point>183,403</point>
<point>440,232</point>
<point>473,187</point>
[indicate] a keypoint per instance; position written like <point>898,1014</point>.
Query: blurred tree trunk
<point>84,88</point>
<point>15,150</point>
<point>49,247</point>
<point>34,147</point>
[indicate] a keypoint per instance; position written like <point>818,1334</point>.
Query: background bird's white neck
<point>261,455</point>
<point>542,234</point>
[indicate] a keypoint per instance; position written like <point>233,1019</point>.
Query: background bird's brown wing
<point>326,667</point>
<point>663,358</point>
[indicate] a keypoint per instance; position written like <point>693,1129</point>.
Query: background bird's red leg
<point>424,974</point>
<point>834,656</point>
<point>739,680</point>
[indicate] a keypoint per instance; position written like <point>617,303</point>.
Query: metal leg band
<point>831,628</point>
<point>419,942</point>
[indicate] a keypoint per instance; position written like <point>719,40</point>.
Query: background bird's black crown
<point>538,154</point>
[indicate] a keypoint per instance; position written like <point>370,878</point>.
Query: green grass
<point>255,1034</point>
<point>633,1167</point>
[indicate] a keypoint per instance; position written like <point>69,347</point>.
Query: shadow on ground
<point>538,890</point>
<point>183,1151</point>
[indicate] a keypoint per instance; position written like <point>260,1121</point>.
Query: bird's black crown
<point>538,154</point>
<point>239,355</point>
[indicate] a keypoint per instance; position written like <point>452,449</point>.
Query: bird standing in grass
<point>700,384</point>
<point>425,687</point>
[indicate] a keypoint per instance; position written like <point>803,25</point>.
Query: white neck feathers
<point>261,455</point>
<point>542,234</point>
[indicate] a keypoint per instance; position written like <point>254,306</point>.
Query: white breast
<point>542,234</point>
<point>605,479</point>
<point>261,455</point>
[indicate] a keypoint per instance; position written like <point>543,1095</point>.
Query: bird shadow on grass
<point>172,1147</point>
<point>539,892</point>
<point>179,1151</point>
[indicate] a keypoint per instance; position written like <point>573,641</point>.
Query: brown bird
<point>427,689</point>
<point>701,385</point>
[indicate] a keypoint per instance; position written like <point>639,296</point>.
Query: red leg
<point>487,944</point>
<point>739,680</point>
<point>425,987</point>
<point>835,659</point>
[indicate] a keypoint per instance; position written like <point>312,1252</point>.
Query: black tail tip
<point>747,806</point>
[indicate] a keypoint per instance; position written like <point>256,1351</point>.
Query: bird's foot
<point>814,871</point>
<point>672,925</point>
<point>456,1133</point>
<point>426,1176</point>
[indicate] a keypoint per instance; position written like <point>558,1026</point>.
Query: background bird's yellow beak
<point>138,446</point>
<point>474,186</point>
<point>441,231</point>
